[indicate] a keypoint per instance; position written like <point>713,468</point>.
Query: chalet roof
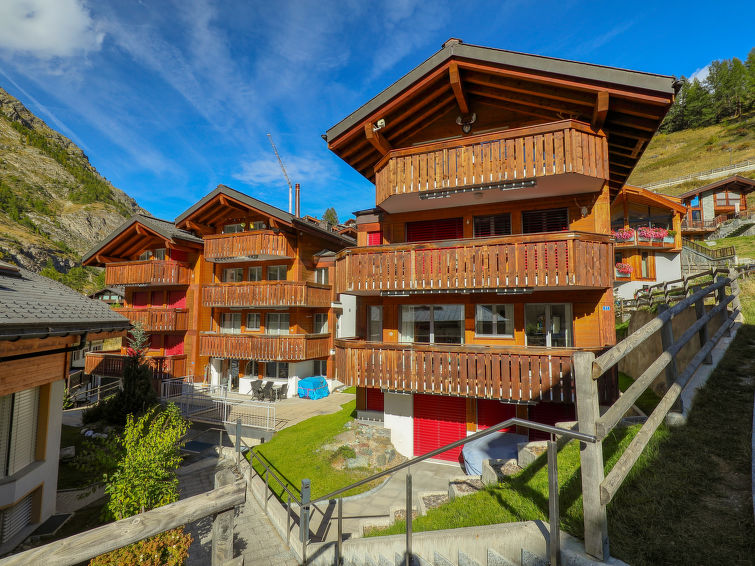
<point>649,197</point>
<point>265,208</point>
<point>734,182</point>
<point>631,104</point>
<point>165,228</point>
<point>117,289</point>
<point>33,306</point>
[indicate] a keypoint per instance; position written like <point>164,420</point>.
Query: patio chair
<point>256,386</point>
<point>266,393</point>
<point>282,393</point>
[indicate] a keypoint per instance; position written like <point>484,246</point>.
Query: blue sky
<point>168,99</point>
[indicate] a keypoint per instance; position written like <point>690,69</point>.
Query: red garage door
<point>374,399</point>
<point>490,412</point>
<point>438,421</point>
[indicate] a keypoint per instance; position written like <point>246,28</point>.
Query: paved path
<point>254,536</point>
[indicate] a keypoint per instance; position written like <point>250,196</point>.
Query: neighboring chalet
<point>111,295</point>
<point>647,229</point>
<point>266,308</point>
<point>41,323</point>
<point>157,265</point>
<point>488,258</point>
<point>709,206</point>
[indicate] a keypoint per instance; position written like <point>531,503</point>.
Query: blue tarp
<point>496,446</point>
<point>313,388</point>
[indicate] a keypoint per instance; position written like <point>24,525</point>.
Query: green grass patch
<point>621,330</point>
<point>69,477</point>
<point>647,401</point>
<point>294,454</point>
<point>351,389</point>
<point>744,245</point>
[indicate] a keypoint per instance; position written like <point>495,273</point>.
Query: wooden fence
<point>712,253</point>
<point>597,490</point>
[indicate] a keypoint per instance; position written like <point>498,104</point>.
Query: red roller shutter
<point>428,230</point>
<point>178,255</point>
<point>174,345</point>
<point>177,299</point>
<point>374,399</point>
<point>139,300</point>
<point>490,412</point>
<point>374,238</point>
<point>437,422</point>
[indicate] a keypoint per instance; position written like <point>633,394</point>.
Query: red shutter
<point>552,220</point>
<point>157,298</point>
<point>177,299</point>
<point>174,345</point>
<point>550,413</point>
<point>178,255</point>
<point>139,300</point>
<point>490,412</point>
<point>155,342</point>
<point>374,238</point>
<point>428,230</point>
<point>437,422</point>
<point>374,399</point>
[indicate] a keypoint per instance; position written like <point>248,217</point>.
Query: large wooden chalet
<point>488,258</point>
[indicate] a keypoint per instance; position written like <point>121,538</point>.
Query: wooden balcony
<point>500,158</point>
<point>111,364</point>
<point>267,294</point>
<point>247,246</point>
<point>489,372</point>
<point>157,320</point>
<point>264,347</point>
<point>509,263</point>
<point>148,272</point>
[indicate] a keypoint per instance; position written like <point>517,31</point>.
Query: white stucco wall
<point>398,417</point>
<point>668,266</point>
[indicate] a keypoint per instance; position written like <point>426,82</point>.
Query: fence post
<point>720,296</point>
<point>409,516</point>
<point>703,332</point>
<point>554,544</point>
<point>238,441</point>
<point>667,339</point>
<point>304,519</point>
<point>222,525</point>
<point>591,457</point>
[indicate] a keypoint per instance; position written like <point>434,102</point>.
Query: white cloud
<point>300,169</point>
<point>700,74</point>
<point>47,28</point>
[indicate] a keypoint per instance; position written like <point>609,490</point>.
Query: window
<point>552,220</point>
<point>233,274</point>
<point>277,370</point>
<point>321,275</point>
<point>321,323</point>
<point>253,321</point>
<point>695,201</point>
<point>436,324</point>
<point>494,320</point>
<point>18,430</point>
<point>232,228</point>
<point>277,323</point>
<point>255,273</point>
<point>159,254</point>
<point>14,518</point>
<point>230,323</point>
<point>321,367</point>
<point>374,238</point>
<point>696,215</point>
<point>252,369</point>
<point>427,230</point>
<point>375,330</point>
<point>548,325</point>
<point>495,225</point>
<point>145,255</point>
<point>644,269</point>
<point>276,272</point>
<point>257,225</point>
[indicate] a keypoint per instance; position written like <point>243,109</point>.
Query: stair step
<point>529,559</point>
<point>383,561</point>
<point>416,560</point>
<point>495,559</point>
<point>465,560</point>
<point>440,560</point>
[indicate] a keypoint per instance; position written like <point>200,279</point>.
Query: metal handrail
<point>571,434</point>
<point>269,470</point>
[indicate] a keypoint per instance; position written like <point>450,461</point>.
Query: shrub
<point>170,548</point>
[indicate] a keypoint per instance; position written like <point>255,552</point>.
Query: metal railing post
<point>409,514</point>
<point>339,545</point>
<point>288,520</point>
<point>238,441</point>
<point>304,518</point>
<point>554,544</point>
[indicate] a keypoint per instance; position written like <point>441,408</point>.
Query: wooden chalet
<point>489,257</point>
<point>707,207</point>
<point>646,227</point>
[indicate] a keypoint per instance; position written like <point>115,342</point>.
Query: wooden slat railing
<point>264,347</point>
<point>264,244</point>
<point>111,364</point>
<point>552,260</point>
<point>147,272</point>
<point>711,253</point>
<point>267,293</point>
<point>157,320</point>
<point>567,146</point>
<point>490,372</point>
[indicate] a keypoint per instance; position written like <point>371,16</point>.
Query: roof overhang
<point>738,183</point>
<point>644,196</point>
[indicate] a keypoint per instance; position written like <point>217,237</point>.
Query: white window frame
<point>258,225</point>
<point>321,275</point>
<point>234,327</point>
<point>375,324</point>
<point>252,327</point>
<point>496,308</point>
<point>320,323</point>
<point>233,275</point>
<point>548,323</point>
<point>160,254</point>
<point>405,338</point>
<point>277,366</point>
<point>145,255</point>
<point>320,367</point>
<point>274,323</point>
<point>276,269</point>
<point>257,270</point>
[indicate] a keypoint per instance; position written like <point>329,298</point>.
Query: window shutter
<point>553,220</point>
<point>374,238</point>
<point>177,299</point>
<point>428,230</point>
<point>5,413</point>
<point>495,225</point>
<point>14,519</point>
<point>139,300</point>
<point>174,345</point>
<point>178,255</point>
<point>23,437</point>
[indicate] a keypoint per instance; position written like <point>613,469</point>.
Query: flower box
<point>623,270</point>
<point>623,235</point>
<point>648,234</point>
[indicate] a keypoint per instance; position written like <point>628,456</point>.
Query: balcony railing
<point>267,293</point>
<point>157,320</point>
<point>264,347</point>
<point>561,147</point>
<point>247,246</point>
<point>111,364</point>
<point>549,260</point>
<point>147,272</point>
<point>488,372</point>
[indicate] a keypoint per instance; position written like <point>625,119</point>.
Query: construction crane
<point>283,167</point>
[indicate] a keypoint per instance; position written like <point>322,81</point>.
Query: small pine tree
<point>137,394</point>
<point>330,216</point>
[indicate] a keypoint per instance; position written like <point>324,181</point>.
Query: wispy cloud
<point>700,74</point>
<point>599,41</point>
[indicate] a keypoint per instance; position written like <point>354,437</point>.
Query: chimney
<point>297,209</point>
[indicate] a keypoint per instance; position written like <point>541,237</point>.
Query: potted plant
<point>623,269</point>
<point>623,234</point>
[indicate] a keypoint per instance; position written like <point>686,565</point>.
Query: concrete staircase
<point>730,228</point>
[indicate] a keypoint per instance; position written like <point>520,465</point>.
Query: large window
<point>253,321</point>
<point>277,323</point>
<point>432,324</point>
<point>375,324</point>
<point>495,320</point>
<point>321,367</point>
<point>276,272</point>
<point>552,220</point>
<point>255,273</point>
<point>233,274</point>
<point>548,325</point>
<point>257,225</point>
<point>230,323</point>
<point>321,323</point>
<point>18,430</point>
<point>159,254</point>
<point>278,370</point>
<point>232,228</point>
<point>494,225</point>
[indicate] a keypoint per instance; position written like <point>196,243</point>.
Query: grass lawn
<point>744,245</point>
<point>68,476</point>
<point>647,401</point>
<point>351,389</point>
<point>294,455</point>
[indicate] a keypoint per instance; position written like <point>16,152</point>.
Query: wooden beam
<point>457,87</point>
<point>376,139</point>
<point>105,258</point>
<point>638,148</point>
<point>443,104</point>
<point>600,111</point>
<point>513,104</point>
<point>140,230</point>
<point>533,100</point>
<point>197,227</point>
<point>580,98</point>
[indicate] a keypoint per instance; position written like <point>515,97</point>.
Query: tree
<point>698,108</point>
<point>330,216</point>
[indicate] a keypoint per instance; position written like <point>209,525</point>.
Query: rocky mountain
<point>54,205</point>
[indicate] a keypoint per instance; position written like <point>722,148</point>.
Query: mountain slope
<point>54,205</point>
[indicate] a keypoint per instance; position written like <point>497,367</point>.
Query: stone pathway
<point>254,537</point>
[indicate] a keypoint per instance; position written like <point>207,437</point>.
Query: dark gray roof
<point>33,306</point>
<point>265,208</point>
<point>165,228</point>
<point>737,180</point>
<point>453,49</point>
